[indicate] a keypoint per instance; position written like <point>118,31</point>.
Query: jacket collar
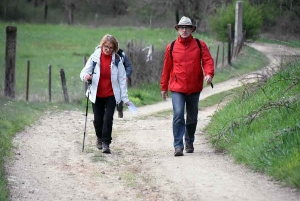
<point>185,40</point>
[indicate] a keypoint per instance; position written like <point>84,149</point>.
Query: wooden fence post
<point>242,42</point>
<point>216,63</point>
<point>27,82</point>
<point>229,43</point>
<point>10,61</point>
<point>64,86</point>
<point>238,30</point>
<point>46,11</point>
<point>49,81</point>
<point>232,48</point>
<point>223,56</point>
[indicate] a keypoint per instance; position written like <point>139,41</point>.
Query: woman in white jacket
<point>107,75</point>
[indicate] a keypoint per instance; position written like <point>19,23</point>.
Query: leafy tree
<point>252,20</point>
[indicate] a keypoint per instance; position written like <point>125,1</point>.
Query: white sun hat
<point>185,21</point>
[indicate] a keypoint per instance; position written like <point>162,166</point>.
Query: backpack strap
<point>198,42</point>
<point>117,59</point>
<point>94,64</point>
<point>121,53</point>
<point>171,48</point>
<point>199,45</point>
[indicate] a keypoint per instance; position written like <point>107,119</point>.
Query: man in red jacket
<point>186,65</point>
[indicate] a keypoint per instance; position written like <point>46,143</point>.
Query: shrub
<point>144,71</point>
<point>252,20</point>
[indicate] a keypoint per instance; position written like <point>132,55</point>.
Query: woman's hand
<point>88,78</point>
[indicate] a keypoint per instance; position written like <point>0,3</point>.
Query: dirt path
<point>49,165</point>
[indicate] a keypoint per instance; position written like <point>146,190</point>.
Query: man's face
<point>184,31</point>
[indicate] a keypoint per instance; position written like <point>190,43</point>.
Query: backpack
<point>121,54</point>
<point>198,42</point>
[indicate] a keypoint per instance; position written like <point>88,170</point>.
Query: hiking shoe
<point>99,143</point>
<point>189,148</point>
<point>105,149</point>
<point>178,152</point>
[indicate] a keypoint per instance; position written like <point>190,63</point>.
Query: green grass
<point>249,60</point>
<point>220,98</point>
<point>262,128</point>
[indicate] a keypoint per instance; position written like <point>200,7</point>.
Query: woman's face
<point>108,48</point>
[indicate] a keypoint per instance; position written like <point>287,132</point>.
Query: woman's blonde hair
<point>111,39</point>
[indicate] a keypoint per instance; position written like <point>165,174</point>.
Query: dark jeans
<point>180,126</point>
<point>104,109</point>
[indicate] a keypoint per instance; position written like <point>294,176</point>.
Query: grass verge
<point>261,127</point>
<point>14,117</point>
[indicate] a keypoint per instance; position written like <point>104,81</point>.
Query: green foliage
<point>145,95</point>
<point>219,22</point>
<point>270,12</point>
<point>261,127</point>
<point>252,20</point>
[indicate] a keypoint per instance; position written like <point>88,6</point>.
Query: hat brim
<point>194,27</point>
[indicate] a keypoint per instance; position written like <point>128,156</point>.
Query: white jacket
<point>118,77</point>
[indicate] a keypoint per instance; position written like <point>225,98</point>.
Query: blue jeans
<point>180,127</point>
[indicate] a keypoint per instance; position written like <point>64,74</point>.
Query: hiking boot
<point>99,143</point>
<point>106,149</point>
<point>178,152</point>
<point>189,148</point>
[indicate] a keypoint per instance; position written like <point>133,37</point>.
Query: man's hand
<point>164,94</point>
<point>208,79</point>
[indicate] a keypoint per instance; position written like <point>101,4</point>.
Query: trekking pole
<point>87,104</point>
<point>86,113</point>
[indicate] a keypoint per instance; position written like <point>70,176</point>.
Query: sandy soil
<point>49,163</point>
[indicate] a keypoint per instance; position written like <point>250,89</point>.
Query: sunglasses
<point>184,27</point>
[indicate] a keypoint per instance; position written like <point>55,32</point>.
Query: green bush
<point>252,20</point>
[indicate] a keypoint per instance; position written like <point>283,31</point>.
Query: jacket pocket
<point>173,80</point>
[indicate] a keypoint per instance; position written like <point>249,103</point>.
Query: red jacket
<point>183,73</point>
